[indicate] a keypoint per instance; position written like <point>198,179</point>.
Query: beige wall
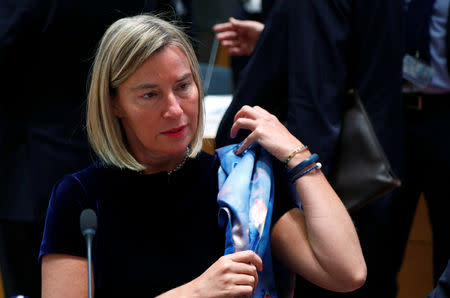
<point>416,275</point>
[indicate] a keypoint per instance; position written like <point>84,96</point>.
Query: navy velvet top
<point>155,232</point>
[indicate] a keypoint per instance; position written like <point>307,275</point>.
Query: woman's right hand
<point>230,276</point>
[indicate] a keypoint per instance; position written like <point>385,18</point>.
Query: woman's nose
<point>173,107</point>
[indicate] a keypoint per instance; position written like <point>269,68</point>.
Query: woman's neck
<point>165,164</point>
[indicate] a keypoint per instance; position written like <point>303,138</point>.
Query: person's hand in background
<point>238,36</point>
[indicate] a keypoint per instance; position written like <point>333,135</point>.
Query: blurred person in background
<point>426,96</point>
<point>309,54</point>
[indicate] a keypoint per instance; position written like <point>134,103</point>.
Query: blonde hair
<point>124,47</point>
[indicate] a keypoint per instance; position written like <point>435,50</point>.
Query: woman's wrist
<point>298,158</point>
<point>304,167</point>
<point>299,149</point>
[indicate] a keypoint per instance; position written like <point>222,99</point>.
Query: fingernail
<point>236,151</point>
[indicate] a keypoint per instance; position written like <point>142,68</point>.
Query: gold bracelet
<point>297,150</point>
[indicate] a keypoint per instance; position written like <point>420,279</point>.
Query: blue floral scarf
<point>246,200</point>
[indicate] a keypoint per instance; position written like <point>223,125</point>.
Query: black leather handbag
<point>362,172</point>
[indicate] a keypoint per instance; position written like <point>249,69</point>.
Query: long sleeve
<point>263,81</point>
<point>319,49</point>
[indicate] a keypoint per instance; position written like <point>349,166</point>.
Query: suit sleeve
<point>319,49</point>
<point>263,81</point>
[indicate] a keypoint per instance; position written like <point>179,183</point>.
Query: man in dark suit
<point>426,111</point>
<point>46,49</point>
<point>309,54</point>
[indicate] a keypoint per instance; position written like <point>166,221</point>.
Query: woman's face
<point>158,105</point>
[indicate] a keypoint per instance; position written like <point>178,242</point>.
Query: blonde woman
<point>155,192</point>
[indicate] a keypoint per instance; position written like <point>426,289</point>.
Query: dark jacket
<point>309,54</point>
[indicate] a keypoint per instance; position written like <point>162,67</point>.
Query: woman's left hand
<point>266,129</point>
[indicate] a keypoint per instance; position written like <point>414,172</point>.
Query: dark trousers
<point>19,250</point>
<point>427,132</point>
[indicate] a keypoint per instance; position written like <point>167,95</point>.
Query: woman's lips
<point>175,132</point>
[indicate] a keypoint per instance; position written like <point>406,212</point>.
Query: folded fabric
<point>246,200</point>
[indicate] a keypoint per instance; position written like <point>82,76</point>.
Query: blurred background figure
<point>241,32</point>
<point>307,57</point>
<point>46,50</point>
<point>426,95</point>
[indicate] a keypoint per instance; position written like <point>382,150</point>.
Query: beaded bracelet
<point>301,166</point>
<point>297,150</point>
<point>316,166</point>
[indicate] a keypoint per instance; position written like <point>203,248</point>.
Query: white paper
<point>215,108</point>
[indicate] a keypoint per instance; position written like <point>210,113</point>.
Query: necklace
<point>181,163</point>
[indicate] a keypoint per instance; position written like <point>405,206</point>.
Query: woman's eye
<point>183,86</point>
<point>149,95</point>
